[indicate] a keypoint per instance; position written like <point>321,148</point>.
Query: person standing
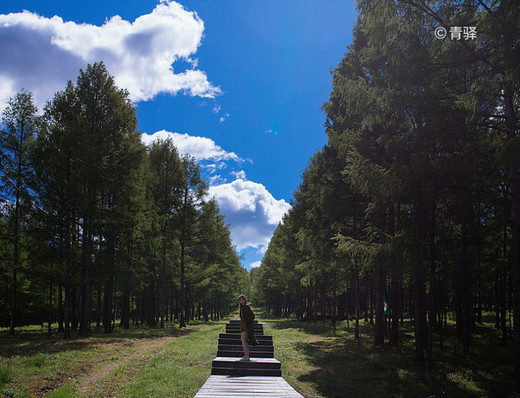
<point>247,328</point>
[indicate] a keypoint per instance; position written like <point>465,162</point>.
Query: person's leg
<point>245,344</point>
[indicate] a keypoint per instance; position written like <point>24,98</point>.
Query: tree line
<point>414,202</point>
<point>95,227</point>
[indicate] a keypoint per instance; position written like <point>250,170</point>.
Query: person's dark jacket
<point>246,313</point>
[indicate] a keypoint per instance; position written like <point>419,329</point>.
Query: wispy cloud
<point>40,54</point>
<point>201,148</point>
<point>224,118</point>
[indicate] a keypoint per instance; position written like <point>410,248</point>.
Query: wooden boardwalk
<point>259,377</point>
<point>246,387</point>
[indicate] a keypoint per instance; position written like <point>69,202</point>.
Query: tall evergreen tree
<point>188,212</point>
<point>167,167</point>
<point>19,128</point>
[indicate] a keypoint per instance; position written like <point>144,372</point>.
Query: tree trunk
<point>109,286</point>
<point>74,308</point>
<point>84,328</point>
<point>49,320</point>
<point>334,299</point>
<point>16,254</point>
<point>68,221</point>
<point>514,179</point>
<point>465,276</point>
<point>420,294</point>
<point>356,297</point>
<point>60,308</point>
<point>182,322</point>
<point>394,302</point>
<point>163,277</point>
<point>379,330</point>
<point>125,309</point>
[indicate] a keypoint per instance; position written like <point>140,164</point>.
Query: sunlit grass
<point>183,367</point>
<point>123,363</point>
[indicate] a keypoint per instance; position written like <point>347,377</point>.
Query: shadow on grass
<point>346,367</point>
<point>33,341</point>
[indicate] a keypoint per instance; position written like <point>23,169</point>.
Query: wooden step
<point>237,336</point>
<point>246,386</point>
<point>258,377</point>
<point>230,329</point>
<point>240,354</point>
<point>254,367</point>
<point>246,372</point>
<point>254,363</point>
<point>234,347</point>
<point>261,343</point>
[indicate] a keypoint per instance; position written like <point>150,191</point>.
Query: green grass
<point>316,360</point>
<point>67,391</point>
<point>138,362</point>
<point>182,369</point>
<point>319,362</point>
<point>5,376</point>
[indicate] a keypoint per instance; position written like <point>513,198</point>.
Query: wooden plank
<point>246,387</point>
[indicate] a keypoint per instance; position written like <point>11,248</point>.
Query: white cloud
<point>201,148</point>
<point>262,250</point>
<point>40,54</point>
<point>256,264</point>
<point>216,179</point>
<point>239,174</point>
<point>250,209</point>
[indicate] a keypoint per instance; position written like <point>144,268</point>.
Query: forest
<point>409,216</point>
<point>95,227</point>
<point>411,212</point>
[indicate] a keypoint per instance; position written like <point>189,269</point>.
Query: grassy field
<point>319,362</point>
<point>140,362</point>
<point>316,361</point>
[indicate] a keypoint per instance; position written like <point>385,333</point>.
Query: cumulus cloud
<point>250,209</point>
<point>256,264</point>
<point>201,148</point>
<point>40,54</point>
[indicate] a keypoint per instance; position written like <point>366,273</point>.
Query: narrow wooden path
<point>246,387</point>
<point>259,377</point>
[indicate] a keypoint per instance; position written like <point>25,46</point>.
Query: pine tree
<point>19,128</point>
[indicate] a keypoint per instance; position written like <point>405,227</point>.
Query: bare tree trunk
<point>49,320</point>
<point>514,179</point>
<point>379,335</point>
<point>16,254</point>
<point>356,297</point>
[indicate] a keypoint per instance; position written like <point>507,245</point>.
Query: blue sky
<point>239,84</point>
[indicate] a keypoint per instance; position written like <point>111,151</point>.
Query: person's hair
<point>242,296</point>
